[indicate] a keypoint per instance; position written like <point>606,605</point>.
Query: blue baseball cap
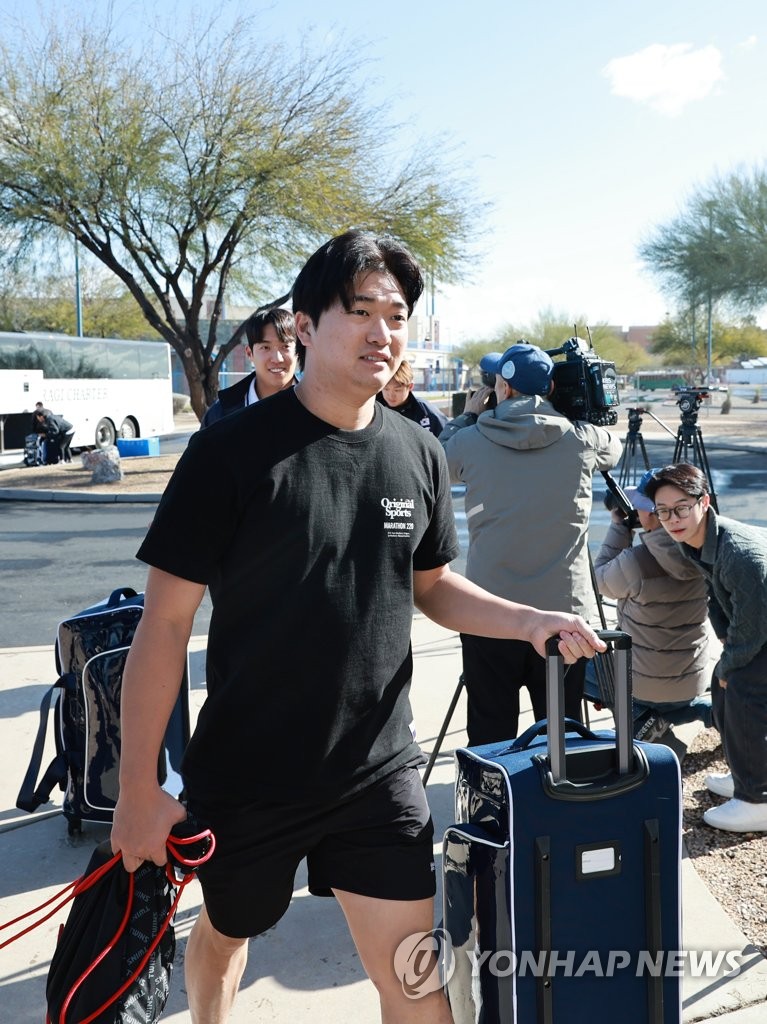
<point>526,368</point>
<point>636,495</point>
<point>488,363</point>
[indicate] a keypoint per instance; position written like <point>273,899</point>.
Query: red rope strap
<point>81,884</point>
<point>173,843</point>
<point>175,846</point>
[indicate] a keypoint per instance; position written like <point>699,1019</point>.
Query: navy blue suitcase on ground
<point>562,873</point>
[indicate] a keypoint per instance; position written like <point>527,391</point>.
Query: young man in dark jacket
<point>732,557</point>
<point>398,395</point>
<point>271,348</point>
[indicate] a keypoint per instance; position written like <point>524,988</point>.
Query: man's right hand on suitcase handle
<point>617,637</point>
<point>574,637</point>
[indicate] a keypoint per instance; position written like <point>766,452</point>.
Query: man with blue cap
<point>527,470</point>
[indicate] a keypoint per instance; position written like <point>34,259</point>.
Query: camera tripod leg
<point>703,463</point>
<point>442,731</point>
<point>689,442</point>
<point>627,468</point>
<point>644,453</point>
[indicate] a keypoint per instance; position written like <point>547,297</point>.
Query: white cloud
<point>749,44</point>
<point>666,78</point>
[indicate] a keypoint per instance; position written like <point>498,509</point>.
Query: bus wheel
<point>128,429</point>
<point>105,433</point>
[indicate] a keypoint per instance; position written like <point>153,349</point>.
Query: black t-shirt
<point>307,537</point>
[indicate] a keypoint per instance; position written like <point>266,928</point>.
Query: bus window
<point>89,359</point>
<point>121,361</point>
<point>154,361</point>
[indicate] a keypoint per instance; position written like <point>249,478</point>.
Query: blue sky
<point>583,123</point>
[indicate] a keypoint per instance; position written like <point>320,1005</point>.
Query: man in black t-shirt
<point>337,522</point>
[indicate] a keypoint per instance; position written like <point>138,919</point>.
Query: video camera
<point>689,399</point>
<point>585,386</point>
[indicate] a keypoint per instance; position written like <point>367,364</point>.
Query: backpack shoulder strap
<point>31,795</point>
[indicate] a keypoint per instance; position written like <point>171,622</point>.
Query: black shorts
<point>378,843</point>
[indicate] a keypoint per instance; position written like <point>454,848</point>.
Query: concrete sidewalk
<point>305,969</point>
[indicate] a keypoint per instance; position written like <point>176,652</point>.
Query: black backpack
<point>91,648</point>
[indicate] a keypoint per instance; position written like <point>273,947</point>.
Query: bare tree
<point>208,165</point>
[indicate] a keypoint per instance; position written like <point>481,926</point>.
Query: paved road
<point>56,559</point>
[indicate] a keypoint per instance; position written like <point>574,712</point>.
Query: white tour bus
<point>106,388</point>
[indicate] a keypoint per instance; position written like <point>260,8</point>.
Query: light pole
<point>78,294</point>
<point>709,332</point>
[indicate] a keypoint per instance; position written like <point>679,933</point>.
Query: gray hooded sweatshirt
<point>527,471</point>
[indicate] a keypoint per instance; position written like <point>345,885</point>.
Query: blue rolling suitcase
<point>562,872</point>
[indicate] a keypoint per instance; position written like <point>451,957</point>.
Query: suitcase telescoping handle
<point>555,702</point>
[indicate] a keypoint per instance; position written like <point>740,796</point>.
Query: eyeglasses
<point>680,511</point>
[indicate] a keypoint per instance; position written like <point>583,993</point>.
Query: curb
<point>24,494</point>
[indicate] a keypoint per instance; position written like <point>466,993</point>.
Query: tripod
<point>689,442</point>
<point>627,466</point>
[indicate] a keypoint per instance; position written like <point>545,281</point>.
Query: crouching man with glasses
<point>732,556</point>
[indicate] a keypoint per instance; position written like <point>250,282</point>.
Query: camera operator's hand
<point>480,401</point>
<point>618,517</point>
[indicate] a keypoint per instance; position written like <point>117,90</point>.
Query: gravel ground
<point>732,864</point>
<point>140,475</point>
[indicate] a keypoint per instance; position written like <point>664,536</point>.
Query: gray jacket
<point>663,604</point>
<point>527,471</point>
<point>733,560</point>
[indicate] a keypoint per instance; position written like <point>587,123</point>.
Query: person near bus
<point>271,348</point>
<point>58,433</point>
<point>38,427</point>
<point>64,432</point>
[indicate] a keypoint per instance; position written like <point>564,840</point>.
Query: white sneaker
<point>721,784</point>
<point>738,816</point>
